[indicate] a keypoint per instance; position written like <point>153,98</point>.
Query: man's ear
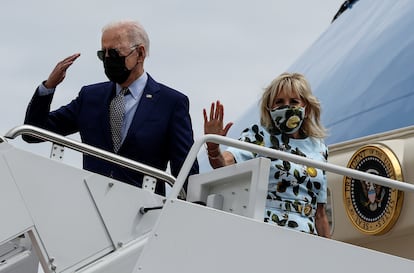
<point>141,52</point>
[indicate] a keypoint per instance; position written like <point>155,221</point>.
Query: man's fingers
<point>68,61</point>
<point>71,58</point>
<point>59,72</point>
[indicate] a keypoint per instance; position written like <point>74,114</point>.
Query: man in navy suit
<point>156,126</point>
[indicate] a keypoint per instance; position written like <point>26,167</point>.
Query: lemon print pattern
<point>293,122</point>
<point>294,190</point>
<point>311,171</point>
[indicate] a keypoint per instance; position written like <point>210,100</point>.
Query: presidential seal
<point>373,209</point>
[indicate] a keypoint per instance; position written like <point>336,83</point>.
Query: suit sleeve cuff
<point>43,91</point>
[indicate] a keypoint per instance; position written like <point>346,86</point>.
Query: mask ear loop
<point>306,112</point>
<point>305,116</point>
<point>139,56</point>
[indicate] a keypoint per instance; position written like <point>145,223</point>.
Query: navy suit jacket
<point>160,131</point>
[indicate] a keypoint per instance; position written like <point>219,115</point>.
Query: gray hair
<point>135,32</point>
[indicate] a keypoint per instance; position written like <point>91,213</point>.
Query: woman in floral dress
<point>289,121</point>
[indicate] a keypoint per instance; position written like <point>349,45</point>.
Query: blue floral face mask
<point>288,119</point>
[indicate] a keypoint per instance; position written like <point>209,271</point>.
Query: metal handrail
<point>264,151</point>
<point>93,151</point>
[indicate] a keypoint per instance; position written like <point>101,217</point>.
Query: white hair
<point>135,32</point>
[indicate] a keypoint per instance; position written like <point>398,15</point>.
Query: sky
<point>211,50</point>
<point>217,49</point>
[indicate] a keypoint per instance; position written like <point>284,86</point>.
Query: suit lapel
<point>146,105</point>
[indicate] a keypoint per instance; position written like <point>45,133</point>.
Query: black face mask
<point>115,69</point>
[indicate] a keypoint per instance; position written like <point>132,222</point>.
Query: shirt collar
<point>136,88</point>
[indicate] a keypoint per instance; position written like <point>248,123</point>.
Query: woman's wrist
<point>214,157</point>
<point>213,151</point>
<point>210,146</point>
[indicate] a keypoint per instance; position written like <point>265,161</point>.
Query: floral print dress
<point>294,189</point>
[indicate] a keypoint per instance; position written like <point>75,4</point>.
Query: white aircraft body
<point>72,220</point>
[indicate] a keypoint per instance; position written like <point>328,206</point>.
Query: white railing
<point>192,155</point>
<point>178,183</point>
<point>90,150</point>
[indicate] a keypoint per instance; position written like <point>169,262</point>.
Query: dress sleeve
<point>251,135</point>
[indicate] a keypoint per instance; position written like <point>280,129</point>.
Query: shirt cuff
<point>43,91</point>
